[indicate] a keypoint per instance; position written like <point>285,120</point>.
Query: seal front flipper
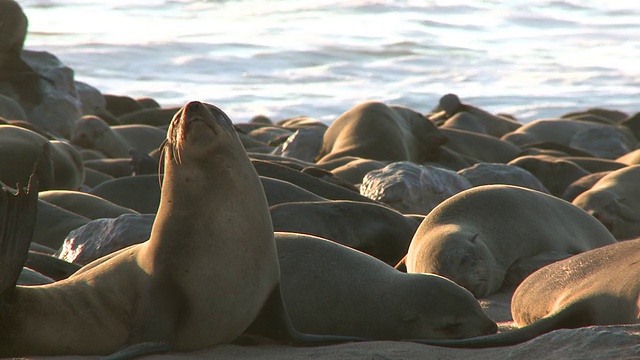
<point>146,348</point>
<point>573,316</point>
<point>17,222</point>
<point>273,322</point>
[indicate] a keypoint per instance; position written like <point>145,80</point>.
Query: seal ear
<point>473,238</point>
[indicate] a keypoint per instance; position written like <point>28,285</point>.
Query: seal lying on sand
<point>208,269</point>
<point>475,236</point>
<point>597,287</point>
<point>342,291</point>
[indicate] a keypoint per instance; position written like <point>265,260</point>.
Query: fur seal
<point>116,168</point>
<point>342,291</point>
<point>614,201</point>
<point>119,105</point>
<point>21,147</point>
<point>140,193</point>
<point>581,185</point>
<point>208,269</point>
<point>373,130</point>
<point>597,287</point>
<point>556,174</point>
<point>87,205</point>
<point>632,158</point>
<point>463,116</point>
<point>54,224</point>
<point>475,236</point>
<point>313,184</point>
<point>149,116</point>
<point>484,148</point>
<point>91,132</point>
<point>371,228</point>
<point>559,131</point>
<point>594,165</point>
<point>354,171</point>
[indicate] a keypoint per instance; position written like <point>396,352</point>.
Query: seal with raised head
<point>201,279</point>
<point>475,236</point>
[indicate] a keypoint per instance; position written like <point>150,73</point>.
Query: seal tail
<point>274,322</point>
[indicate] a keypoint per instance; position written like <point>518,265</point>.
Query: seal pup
<point>208,269</point>
<point>475,236</point>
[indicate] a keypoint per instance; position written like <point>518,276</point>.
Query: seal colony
<point>158,295</point>
<point>211,272</point>
<point>202,278</point>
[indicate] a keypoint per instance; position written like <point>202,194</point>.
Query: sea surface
<point>283,58</point>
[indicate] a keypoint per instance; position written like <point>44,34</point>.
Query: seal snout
<point>491,328</point>
<point>194,106</point>
<point>193,111</point>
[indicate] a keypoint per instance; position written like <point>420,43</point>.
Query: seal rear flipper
<point>142,163</point>
<point>273,322</point>
<point>50,266</point>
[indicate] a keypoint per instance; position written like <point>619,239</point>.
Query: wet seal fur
<point>208,269</point>
<point>475,236</point>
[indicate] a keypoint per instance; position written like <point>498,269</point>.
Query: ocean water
<point>282,58</point>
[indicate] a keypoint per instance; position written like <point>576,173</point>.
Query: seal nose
<point>492,328</point>
<point>194,106</point>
